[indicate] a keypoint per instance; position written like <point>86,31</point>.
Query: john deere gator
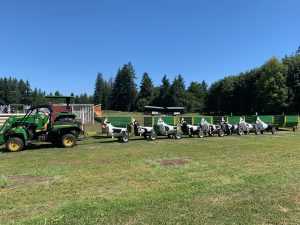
<point>40,125</point>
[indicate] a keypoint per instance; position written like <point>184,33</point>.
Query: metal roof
<point>174,107</point>
<point>153,107</point>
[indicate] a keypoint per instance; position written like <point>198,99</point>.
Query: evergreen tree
<point>23,92</point>
<point>124,89</point>
<point>164,97</point>
<point>99,89</point>
<point>146,93</point>
<point>28,100</point>
<point>57,94</point>
<point>5,89</point>
<point>13,94</point>
<point>35,97</point>
<point>108,85</point>
<point>2,92</point>
<point>298,51</point>
<point>178,93</point>
<point>77,101</point>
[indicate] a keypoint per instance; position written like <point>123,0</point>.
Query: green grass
<point>231,180</point>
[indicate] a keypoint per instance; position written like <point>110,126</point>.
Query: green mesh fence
<point>291,120</point>
<point>278,121</point>
<point>218,119</point>
<point>187,119</point>
<point>234,119</point>
<point>197,120</point>
<point>250,119</point>
<point>148,121</point>
<point>120,121</point>
<point>266,119</point>
<point>167,119</point>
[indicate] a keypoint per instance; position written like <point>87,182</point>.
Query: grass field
<point>231,180</point>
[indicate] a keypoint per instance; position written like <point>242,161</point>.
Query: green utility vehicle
<point>40,125</point>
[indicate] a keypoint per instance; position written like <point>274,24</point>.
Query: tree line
<point>272,88</point>
<point>122,94</point>
<point>14,91</point>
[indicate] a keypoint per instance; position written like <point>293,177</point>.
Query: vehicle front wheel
<point>68,140</point>
<point>274,131</point>
<point>152,137</point>
<point>200,134</point>
<point>221,133</point>
<point>125,138</point>
<point>14,144</point>
<point>177,135</point>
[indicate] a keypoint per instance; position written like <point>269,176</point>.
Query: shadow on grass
<point>33,147</point>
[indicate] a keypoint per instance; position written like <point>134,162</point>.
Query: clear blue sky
<point>62,44</point>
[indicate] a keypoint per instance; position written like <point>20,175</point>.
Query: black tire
<point>14,144</point>
<point>274,131</point>
<point>125,138</point>
<point>200,134</point>
<point>256,130</point>
<point>68,141</point>
<point>177,135</point>
<point>221,133</point>
<point>152,137</point>
<point>247,131</point>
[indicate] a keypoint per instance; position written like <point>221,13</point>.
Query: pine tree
<point>298,51</point>
<point>83,99</point>
<point>2,92</point>
<point>124,89</point>
<point>57,94</point>
<point>178,93</point>
<point>108,85</point>
<point>77,101</point>
<point>99,89</point>
<point>146,93</point>
<point>28,100</point>
<point>23,91</point>
<point>13,94</point>
<point>164,96</point>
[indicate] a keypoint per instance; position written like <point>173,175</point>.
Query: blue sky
<point>63,44</point>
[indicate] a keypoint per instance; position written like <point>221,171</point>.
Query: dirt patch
<point>296,198</point>
<point>21,180</point>
<point>173,162</point>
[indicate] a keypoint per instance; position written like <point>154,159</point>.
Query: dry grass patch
<point>174,162</point>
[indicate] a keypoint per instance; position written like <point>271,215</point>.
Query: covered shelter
<point>174,110</point>
<point>153,110</point>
